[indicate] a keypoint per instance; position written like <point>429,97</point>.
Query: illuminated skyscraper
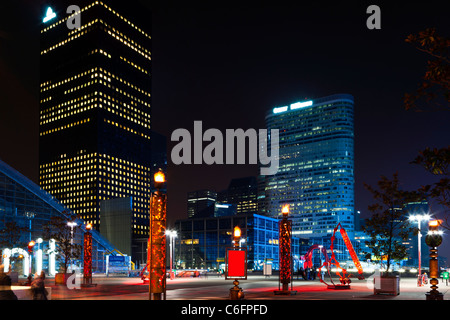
<point>315,175</point>
<point>95,137</point>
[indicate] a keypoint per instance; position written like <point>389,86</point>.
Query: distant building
<point>243,193</point>
<point>201,242</point>
<point>200,203</point>
<point>116,222</point>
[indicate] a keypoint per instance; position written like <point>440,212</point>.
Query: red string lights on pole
<point>87,256</point>
<point>285,246</point>
<point>157,242</point>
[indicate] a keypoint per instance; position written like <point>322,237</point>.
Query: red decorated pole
<point>87,256</point>
<point>285,230</point>
<point>157,243</point>
<point>285,246</point>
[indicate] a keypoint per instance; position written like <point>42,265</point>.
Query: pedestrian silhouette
<point>5,286</point>
<point>38,287</point>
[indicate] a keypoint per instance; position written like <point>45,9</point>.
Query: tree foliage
<point>436,161</point>
<point>433,92</point>
<point>10,235</point>
<point>58,230</point>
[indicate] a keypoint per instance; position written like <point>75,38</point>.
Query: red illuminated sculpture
<point>344,277</point>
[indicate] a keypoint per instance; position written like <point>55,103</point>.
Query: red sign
<point>236,264</point>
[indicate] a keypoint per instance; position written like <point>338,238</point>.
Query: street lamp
<point>30,252</point>
<point>237,237</point>
<point>71,224</point>
<point>236,292</point>
<point>172,235</point>
<point>419,218</point>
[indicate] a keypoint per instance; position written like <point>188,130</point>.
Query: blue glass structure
<point>201,242</point>
<point>25,203</point>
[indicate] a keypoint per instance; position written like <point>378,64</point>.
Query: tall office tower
<point>200,203</point>
<point>316,159</point>
<point>94,139</point>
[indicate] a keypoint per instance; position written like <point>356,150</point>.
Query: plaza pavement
<point>215,288</point>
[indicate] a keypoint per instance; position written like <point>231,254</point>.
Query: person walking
<point>5,286</point>
<point>38,287</point>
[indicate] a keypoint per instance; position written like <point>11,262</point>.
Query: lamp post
<point>71,224</point>
<point>172,235</point>
<point>30,253</point>
<point>157,244</point>
<point>434,240</point>
<point>285,238</point>
<point>419,218</point>
<point>87,257</point>
<point>236,292</point>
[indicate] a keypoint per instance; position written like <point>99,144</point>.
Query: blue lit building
<point>316,165</point>
<point>201,242</point>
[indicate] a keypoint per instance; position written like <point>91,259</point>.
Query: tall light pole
<point>172,235</point>
<point>71,224</point>
<point>236,293</point>
<point>419,218</point>
<point>30,252</point>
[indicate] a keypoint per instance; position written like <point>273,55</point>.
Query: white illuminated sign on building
<point>280,109</point>
<point>49,15</point>
<point>299,105</point>
<point>294,106</point>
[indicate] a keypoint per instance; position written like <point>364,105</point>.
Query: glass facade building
<point>316,165</point>
<point>31,208</point>
<point>202,242</point>
<point>95,122</point>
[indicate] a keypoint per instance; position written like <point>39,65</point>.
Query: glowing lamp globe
<point>285,210</point>
<point>159,179</point>
<point>434,236</point>
<point>237,232</point>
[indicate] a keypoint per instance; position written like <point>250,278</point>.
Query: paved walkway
<point>255,288</point>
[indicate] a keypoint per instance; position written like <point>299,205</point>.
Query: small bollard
<point>236,293</point>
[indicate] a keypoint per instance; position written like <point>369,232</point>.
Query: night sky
<point>227,64</point>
